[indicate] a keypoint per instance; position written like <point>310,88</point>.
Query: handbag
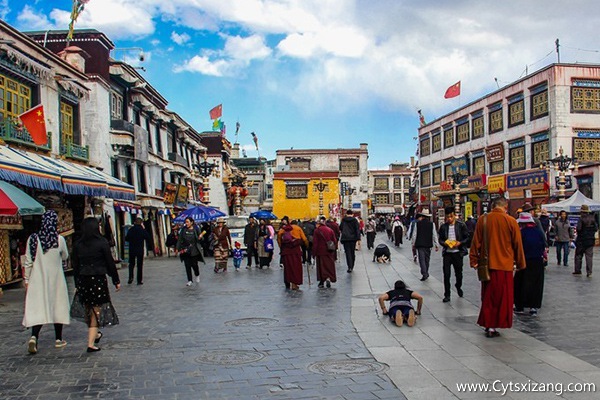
<point>329,243</point>
<point>483,268</point>
<point>268,244</point>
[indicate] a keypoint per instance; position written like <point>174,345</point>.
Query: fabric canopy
<point>46,173</point>
<point>573,204</point>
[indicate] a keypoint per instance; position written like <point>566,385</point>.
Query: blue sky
<point>328,73</point>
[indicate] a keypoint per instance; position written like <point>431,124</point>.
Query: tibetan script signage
<point>170,192</point>
<point>527,179</point>
<point>495,153</point>
<point>477,181</point>
<point>445,186</point>
<point>496,184</point>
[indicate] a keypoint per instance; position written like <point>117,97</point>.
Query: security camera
<point>142,56</point>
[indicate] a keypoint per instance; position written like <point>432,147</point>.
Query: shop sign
<point>495,153</point>
<point>182,196</point>
<point>586,179</point>
<point>496,184</point>
<point>460,165</point>
<point>477,181</point>
<point>11,222</point>
<point>468,208</point>
<point>170,192</point>
<point>445,186</point>
<point>526,179</point>
<point>568,181</point>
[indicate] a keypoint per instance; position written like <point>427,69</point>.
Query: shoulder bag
<point>329,243</point>
<point>483,268</point>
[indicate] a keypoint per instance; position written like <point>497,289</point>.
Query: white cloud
<point>204,65</point>
<point>246,48</point>
<point>32,20</point>
<point>180,39</point>
<point>4,9</point>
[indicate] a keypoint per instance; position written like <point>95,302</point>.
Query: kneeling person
<point>382,254</point>
<point>401,308</point>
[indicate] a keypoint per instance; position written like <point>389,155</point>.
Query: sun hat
<point>585,208</point>
<point>527,207</point>
<point>525,218</point>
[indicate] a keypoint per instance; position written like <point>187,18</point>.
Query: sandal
<point>492,334</point>
<point>98,337</point>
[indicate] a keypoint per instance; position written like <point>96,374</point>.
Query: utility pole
<point>557,49</point>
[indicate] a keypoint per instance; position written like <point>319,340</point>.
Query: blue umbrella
<point>262,214</point>
<point>199,214</point>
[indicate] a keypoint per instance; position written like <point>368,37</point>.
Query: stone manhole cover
<point>366,296</point>
<point>136,344</point>
<point>252,322</point>
<point>347,367</point>
<point>230,357</point>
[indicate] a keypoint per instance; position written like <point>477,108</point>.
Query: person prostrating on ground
<point>401,307</point>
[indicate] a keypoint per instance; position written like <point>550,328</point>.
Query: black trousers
<point>252,252</point>
<point>35,331</point>
<point>455,260</point>
<point>350,250</point>
<point>370,240</point>
<point>139,260</point>
<point>191,263</point>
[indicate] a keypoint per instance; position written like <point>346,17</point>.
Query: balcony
<point>75,151</point>
<point>11,133</point>
<point>121,125</point>
<point>175,157</point>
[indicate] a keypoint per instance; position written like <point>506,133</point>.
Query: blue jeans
<point>559,247</point>
<point>237,262</point>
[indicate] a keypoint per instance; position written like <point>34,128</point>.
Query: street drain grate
<point>230,357</point>
<point>347,367</point>
<point>136,344</point>
<point>245,322</point>
<point>366,296</point>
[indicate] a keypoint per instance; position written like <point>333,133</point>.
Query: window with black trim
<point>540,153</point>
<point>141,175</point>
<point>397,198</point>
<point>382,199</point>
<point>116,106</point>
<point>447,171</point>
<point>478,127</point>
<point>517,158</point>
<point>586,149</point>
<point>437,175</point>
<point>425,147</point>
<point>296,191</point>
<point>479,165</point>
<point>585,98</point>
<point>397,183</point>
<point>349,167</point>
<point>448,138</point>
<point>426,178</point>
<point>157,138</point>
<point>539,104</point>
<point>299,164</point>
<point>406,183</point>
<point>436,143</point>
<point>497,167</point>
<point>462,133</point>
<point>381,183</point>
<point>516,112</point>
<point>495,117</point>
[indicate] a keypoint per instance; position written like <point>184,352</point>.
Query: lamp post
<point>320,187</point>
<point>351,191</point>
<point>205,169</point>
<point>456,179</point>
<point>563,164</point>
<point>237,181</point>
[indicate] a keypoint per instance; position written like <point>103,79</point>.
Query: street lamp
<point>320,187</point>
<point>237,181</point>
<point>205,169</point>
<point>351,191</point>
<point>561,163</point>
<point>456,179</point>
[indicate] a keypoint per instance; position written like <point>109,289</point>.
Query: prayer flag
<point>453,91</point>
<point>216,125</point>
<point>216,112</point>
<point>255,139</point>
<point>78,6</point>
<point>237,127</point>
<point>223,129</point>
<point>421,118</point>
<point>35,122</point>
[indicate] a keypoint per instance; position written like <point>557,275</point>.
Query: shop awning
<point>15,166</point>
<point>384,210</point>
<point>116,188</point>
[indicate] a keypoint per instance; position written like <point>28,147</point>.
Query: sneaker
<point>190,283</point>
<point>576,273</point>
<point>589,274</point>
<point>32,345</point>
<point>60,343</point>
<point>198,279</point>
<point>533,312</point>
<point>328,284</point>
<point>460,292</point>
<point>411,318</point>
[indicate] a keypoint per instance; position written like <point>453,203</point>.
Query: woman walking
<point>324,249</point>
<point>222,245</point>
<point>529,282</point>
<point>265,243</point>
<point>189,245</point>
<point>47,298</point>
<point>398,231</point>
<point>291,257</point>
<point>92,261</point>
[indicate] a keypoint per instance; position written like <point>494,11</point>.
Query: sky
<point>308,74</point>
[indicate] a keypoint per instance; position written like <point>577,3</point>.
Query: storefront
<point>529,186</point>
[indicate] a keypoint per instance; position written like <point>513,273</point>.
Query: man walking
<point>563,238</point>
<point>250,241</point>
<point>504,250</point>
<point>350,234</point>
<point>586,236</point>
<point>136,237</point>
<point>324,254</point>
<point>424,237</point>
<point>370,231</point>
<point>454,238</point>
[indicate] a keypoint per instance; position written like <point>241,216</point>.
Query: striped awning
<point>15,166</point>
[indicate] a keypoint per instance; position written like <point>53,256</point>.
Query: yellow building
<point>297,194</point>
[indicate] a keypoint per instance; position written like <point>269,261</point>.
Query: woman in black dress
<point>92,261</point>
<point>189,246</point>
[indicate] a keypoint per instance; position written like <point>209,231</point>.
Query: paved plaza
<point>241,335</point>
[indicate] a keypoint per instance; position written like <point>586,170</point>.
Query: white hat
<point>525,218</point>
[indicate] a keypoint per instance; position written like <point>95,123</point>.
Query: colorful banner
<point>526,179</point>
<point>496,184</point>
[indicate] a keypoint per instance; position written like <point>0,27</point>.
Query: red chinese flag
<point>216,112</point>
<point>453,91</point>
<point>35,122</point>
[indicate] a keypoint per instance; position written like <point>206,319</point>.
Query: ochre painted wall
<point>303,208</point>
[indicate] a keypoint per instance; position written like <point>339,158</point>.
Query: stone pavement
<point>241,335</point>
<point>446,346</point>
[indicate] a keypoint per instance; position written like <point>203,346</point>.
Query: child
<point>238,254</point>
<point>401,308</point>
